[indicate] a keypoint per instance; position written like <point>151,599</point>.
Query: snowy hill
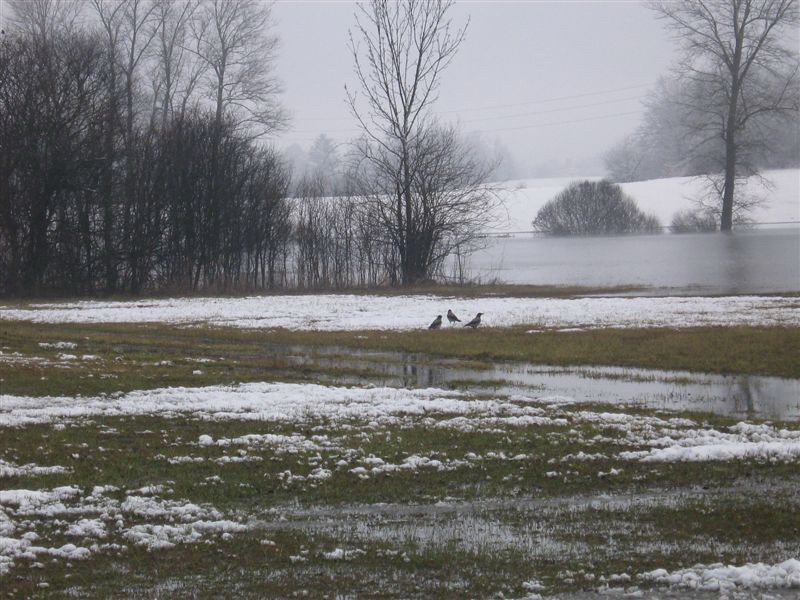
<point>661,197</point>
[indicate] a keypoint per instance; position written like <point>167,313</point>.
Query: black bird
<point>452,318</point>
<point>475,322</point>
<point>437,322</point>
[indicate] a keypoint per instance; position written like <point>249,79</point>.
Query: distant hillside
<point>661,197</point>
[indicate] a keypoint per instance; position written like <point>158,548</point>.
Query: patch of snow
<point>161,537</point>
<point>728,577</point>
<point>743,441</point>
<point>341,554</point>
<point>8,469</point>
<point>771,451</point>
<point>59,345</point>
<point>92,528</point>
<point>354,312</point>
<point>279,402</point>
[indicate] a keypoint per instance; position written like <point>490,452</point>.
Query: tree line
<point>134,157</point>
<point>128,160</point>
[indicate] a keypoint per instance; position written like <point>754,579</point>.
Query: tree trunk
<point>107,194</point>
<point>726,219</point>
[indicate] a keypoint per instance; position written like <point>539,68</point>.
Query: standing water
<point>743,262</point>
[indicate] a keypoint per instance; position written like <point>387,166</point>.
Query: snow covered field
<point>661,197</point>
<point>333,312</point>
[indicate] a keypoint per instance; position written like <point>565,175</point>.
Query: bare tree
<point>96,196</point>
<point>738,65</point>
<point>623,161</point>
<point>415,182</point>
<point>41,19</point>
<point>175,73</point>
<point>231,38</point>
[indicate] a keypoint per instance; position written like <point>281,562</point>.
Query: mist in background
<point>549,86</point>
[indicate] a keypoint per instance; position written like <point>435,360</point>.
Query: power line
<point>633,112</point>
<point>553,110</point>
<point>502,233</point>
<point>528,114</point>
<point>517,128</point>
<point>523,103</point>
<point>542,101</point>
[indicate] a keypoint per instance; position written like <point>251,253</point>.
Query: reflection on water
<point>766,260</point>
<point>745,396</point>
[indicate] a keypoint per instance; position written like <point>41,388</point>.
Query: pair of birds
<point>437,322</point>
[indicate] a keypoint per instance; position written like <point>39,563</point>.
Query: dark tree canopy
<point>109,184</point>
<point>593,208</point>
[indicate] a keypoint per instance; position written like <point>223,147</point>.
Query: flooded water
<point>740,396</point>
<point>756,261</point>
<point>544,530</point>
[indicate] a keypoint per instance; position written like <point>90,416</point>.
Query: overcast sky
<point>555,81</point>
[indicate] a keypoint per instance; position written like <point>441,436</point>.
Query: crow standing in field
<point>452,317</point>
<point>475,322</point>
<point>437,322</point>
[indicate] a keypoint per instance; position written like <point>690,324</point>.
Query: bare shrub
<point>593,208</point>
<point>693,221</point>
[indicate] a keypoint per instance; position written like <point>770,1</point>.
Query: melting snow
<point>8,469</point>
<point>352,312</point>
<point>721,577</point>
<point>60,345</point>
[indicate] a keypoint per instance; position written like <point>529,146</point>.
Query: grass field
<point>304,488</point>
<point>128,357</point>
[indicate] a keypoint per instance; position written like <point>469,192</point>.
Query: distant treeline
<point>670,143</point>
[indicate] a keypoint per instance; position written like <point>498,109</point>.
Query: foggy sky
<point>524,72</point>
<point>557,82</point>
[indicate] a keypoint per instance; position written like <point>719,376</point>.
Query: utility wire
<point>517,128</point>
<point>553,110</point>
<point>526,102</point>
<point>528,114</point>
<point>537,125</point>
<point>495,106</point>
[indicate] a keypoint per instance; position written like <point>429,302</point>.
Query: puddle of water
<point>744,396</point>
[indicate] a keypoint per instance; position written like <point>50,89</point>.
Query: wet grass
<point>511,505</point>
<point>147,356</point>
<point>126,358</point>
<point>750,350</point>
<point>487,525</point>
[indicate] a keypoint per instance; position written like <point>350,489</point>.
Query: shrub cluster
<point>593,208</point>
